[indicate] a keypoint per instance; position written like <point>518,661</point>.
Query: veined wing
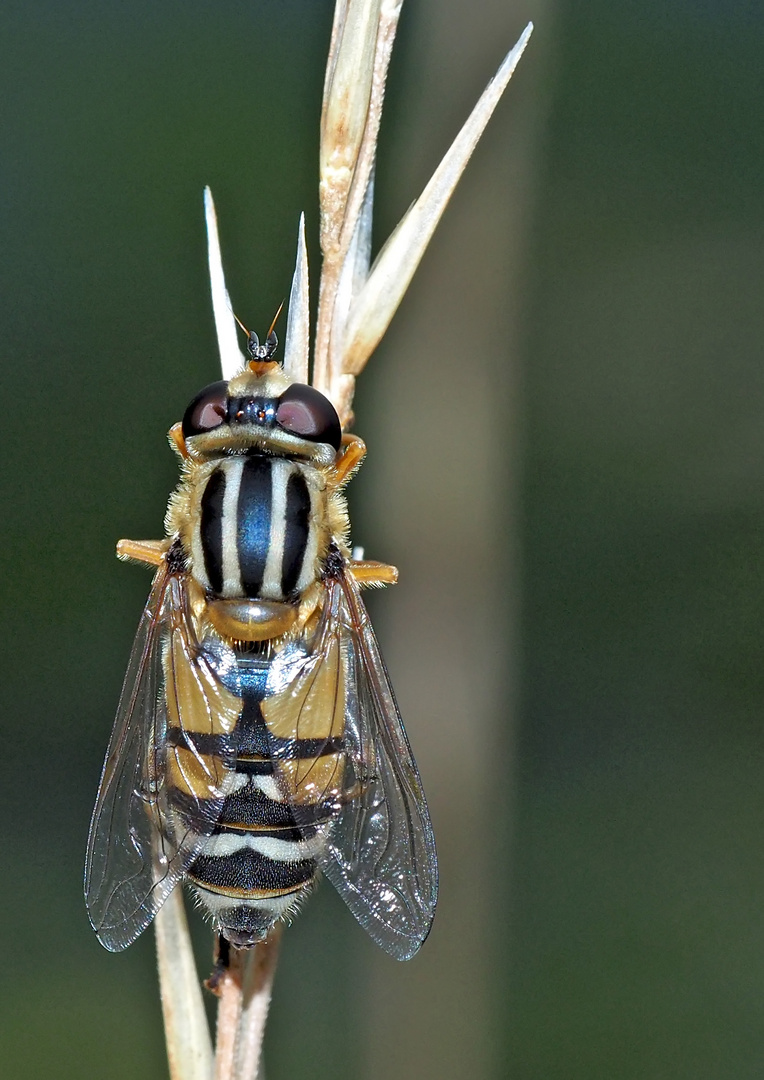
<point>342,753</point>
<point>381,852</point>
<point>171,745</point>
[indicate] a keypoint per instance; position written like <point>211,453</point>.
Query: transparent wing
<point>342,752</point>
<point>162,786</point>
<point>381,852</point>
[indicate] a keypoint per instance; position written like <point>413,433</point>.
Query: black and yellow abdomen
<point>261,859</point>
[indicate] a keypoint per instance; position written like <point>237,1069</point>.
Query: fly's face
<point>262,410</point>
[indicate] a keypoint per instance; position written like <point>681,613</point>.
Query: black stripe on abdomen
<point>296,531</point>
<point>253,522</point>
<point>249,870</point>
<point>291,749</point>
<point>254,762</point>
<point>211,529</point>
<point>250,808</point>
<point>201,741</point>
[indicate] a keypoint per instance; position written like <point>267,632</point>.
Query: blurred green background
<point>566,430</point>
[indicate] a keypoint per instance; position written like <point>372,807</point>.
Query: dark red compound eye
<point>207,410</point>
<point>305,412</point>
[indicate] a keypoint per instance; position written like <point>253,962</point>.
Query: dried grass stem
<point>245,997</point>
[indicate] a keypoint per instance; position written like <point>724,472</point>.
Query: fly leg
<point>177,442</point>
<point>144,551</point>
<point>371,573</point>
<point>365,571</point>
<point>221,959</point>
<point>353,453</point>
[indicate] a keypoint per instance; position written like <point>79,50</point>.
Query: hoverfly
<point>257,741</point>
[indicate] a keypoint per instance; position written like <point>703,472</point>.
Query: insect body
<point>257,740</point>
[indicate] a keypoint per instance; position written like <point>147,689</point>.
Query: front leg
<point>151,552</point>
<point>353,453</point>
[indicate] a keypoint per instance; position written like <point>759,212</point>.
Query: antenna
<point>258,352</point>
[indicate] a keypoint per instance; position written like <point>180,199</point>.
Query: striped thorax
<point>257,509</point>
<point>258,527</point>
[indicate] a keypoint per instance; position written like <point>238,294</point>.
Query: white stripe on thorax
<point>231,572</point>
<point>308,568</point>
<point>280,473</point>
<point>197,554</point>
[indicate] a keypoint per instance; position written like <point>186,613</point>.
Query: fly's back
<point>258,527</point>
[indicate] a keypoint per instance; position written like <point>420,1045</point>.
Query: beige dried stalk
<point>356,304</point>
<point>245,997</point>
<point>189,1047</point>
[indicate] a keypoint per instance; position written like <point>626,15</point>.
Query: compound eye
<point>207,410</point>
<point>305,412</point>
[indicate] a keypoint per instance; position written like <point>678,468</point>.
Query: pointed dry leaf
<point>346,105</point>
<point>355,268</point>
<point>389,14</point>
<point>359,253</point>
<point>352,207</point>
<point>391,274</point>
<point>231,359</point>
<point>338,21</point>
<point>297,344</point>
